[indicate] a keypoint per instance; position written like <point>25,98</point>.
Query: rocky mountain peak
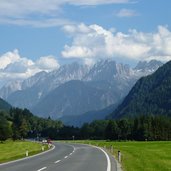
<point>148,66</point>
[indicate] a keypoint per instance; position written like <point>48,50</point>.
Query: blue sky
<point>36,35</point>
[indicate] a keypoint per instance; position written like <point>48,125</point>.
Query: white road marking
<point>66,156</point>
<point>72,147</point>
<point>107,157</point>
<point>57,161</point>
<point>43,168</point>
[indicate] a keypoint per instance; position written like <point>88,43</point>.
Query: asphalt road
<point>66,157</point>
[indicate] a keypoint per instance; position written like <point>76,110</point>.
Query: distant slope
<point>72,98</point>
<point>87,117</point>
<point>26,98</point>
<point>33,89</point>
<point>150,95</point>
<point>4,105</point>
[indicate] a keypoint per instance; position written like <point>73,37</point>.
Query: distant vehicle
<point>49,141</point>
<point>44,141</point>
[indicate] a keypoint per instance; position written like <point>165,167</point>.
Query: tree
<point>125,129</point>
<point>86,131</point>
<point>5,129</point>
<point>112,130</point>
<point>24,129</point>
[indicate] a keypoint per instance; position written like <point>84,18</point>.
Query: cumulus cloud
<point>19,66</point>
<point>47,63</point>
<point>8,58</point>
<point>15,67</point>
<point>93,41</point>
<point>126,13</point>
<point>47,13</point>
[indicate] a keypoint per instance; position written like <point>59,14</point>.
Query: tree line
<point>21,124</point>
<point>145,127</point>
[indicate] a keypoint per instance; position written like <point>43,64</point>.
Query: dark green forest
<point>21,124</point>
<point>140,128</point>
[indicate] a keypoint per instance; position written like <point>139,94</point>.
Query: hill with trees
<point>4,105</point>
<point>21,124</point>
<point>150,95</point>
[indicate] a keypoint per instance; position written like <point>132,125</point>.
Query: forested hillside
<point>20,124</point>
<point>4,105</point>
<point>150,95</point>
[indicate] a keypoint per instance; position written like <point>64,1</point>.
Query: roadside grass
<point>139,156</point>
<point>12,150</point>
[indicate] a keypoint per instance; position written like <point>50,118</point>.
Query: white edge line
<point>25,158</point>
<point>66,157</point>
<point>43,168</point>
<point>107,157</point>
<point>70,146</point>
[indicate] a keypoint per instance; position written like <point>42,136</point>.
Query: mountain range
<point>150,95</point>
<point>75,89</point>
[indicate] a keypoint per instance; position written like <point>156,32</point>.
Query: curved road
<point>66,157</point>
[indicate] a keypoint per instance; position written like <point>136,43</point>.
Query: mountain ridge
<point>111,80</point>
<point>150,95</point>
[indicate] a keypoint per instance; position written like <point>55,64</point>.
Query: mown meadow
<point>12,150</point>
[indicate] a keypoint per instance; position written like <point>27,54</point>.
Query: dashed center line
<point>43,168</point>
<point>57,161</point>
<point>66,157</point>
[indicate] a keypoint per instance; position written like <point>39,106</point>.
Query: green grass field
<point>140,156</point>
<point>10,150</point>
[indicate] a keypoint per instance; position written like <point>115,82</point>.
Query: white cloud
<point>19,66</point>
<point>126,13</point>
<point>8,58</point>
<point>94,42</point>
<point>47,63</point>
<point>41,13</point>
<point>15,67</point>
<point>96,2</point>
<point>37,23</point>
<point>18,8</point>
